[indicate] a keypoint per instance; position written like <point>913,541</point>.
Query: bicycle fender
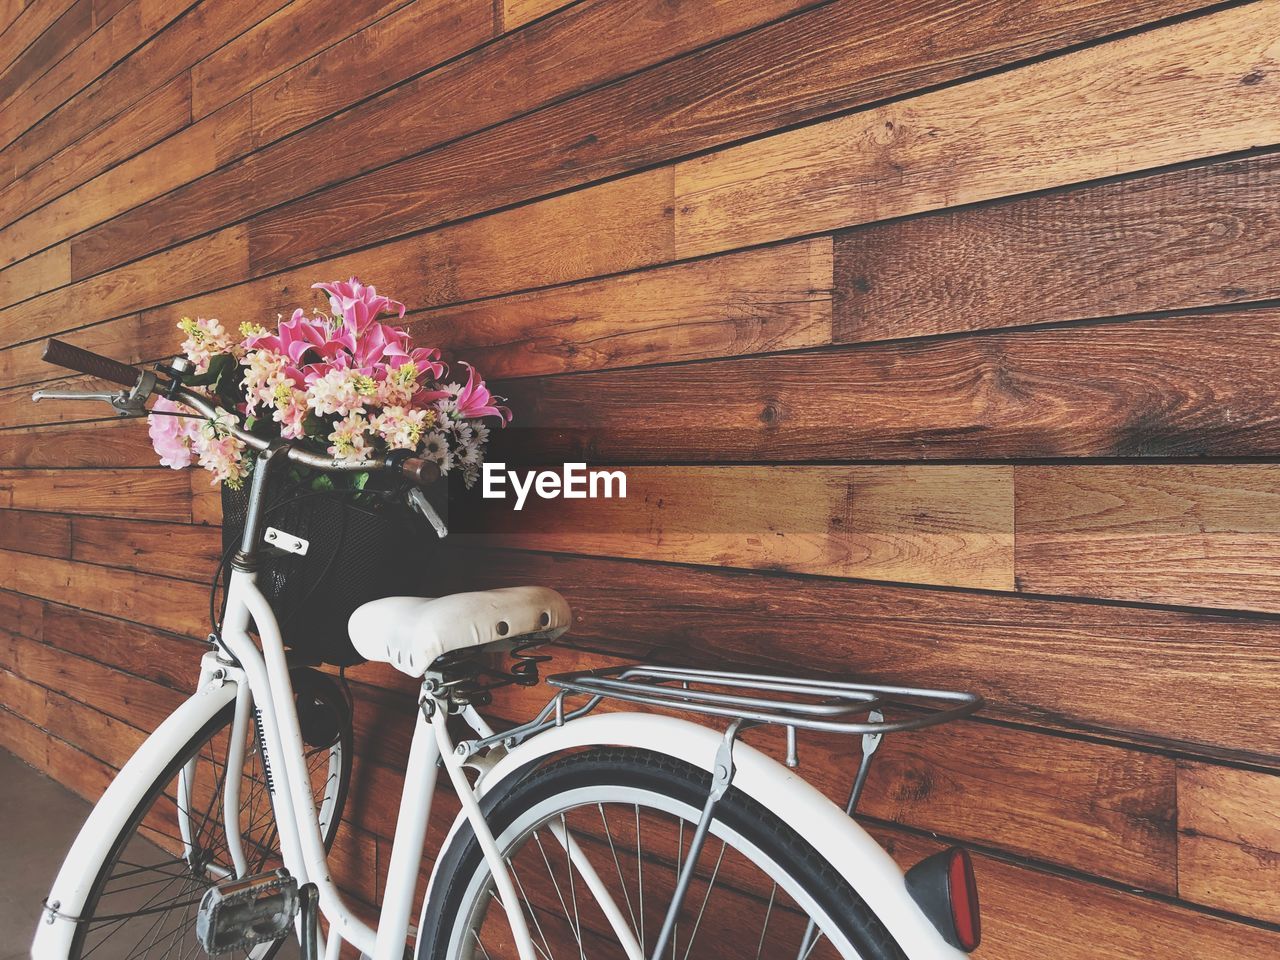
<point>836,836</point>
<point>93,844</point>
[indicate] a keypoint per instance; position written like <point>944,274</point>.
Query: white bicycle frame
<point>262,679</point>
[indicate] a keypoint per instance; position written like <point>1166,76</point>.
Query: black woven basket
<point>356,553</point>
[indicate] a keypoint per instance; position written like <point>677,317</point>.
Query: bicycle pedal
<point>240,914</point>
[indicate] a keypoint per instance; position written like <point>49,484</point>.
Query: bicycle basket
<point>356,553</point>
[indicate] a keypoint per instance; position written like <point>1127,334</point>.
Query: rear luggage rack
<point>826,705</point>
<point>747,700</point>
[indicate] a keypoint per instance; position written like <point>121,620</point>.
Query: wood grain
<point>108,45</point>
<point>197,266</point>
<point>834,58</point>
<point>193,150</point>
<point>1186,238</point>
<point>174,605</point>
<point>40,533</point>
<point>937,525</point>
<point>388,51</point>
<point>151,494</point>
<point>591,44</point>
<point>35,275</point>
<point>1228,839</point>
<point>752,302</point>
<point>1199,385</point>
<point>274,45</point>
<point>110,443</point>
<point>1203,536</point>
<point>1077,117</point>
<point>516,13</point>
<point>1125,672</point>
<point>162,58</point>
<point>172,549</point>
<point>160,114</point>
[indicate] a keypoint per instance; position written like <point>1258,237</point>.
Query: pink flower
<point>301,334</point>
<point>474,400</point>
<point>172,436</point>
<point>356,303</point>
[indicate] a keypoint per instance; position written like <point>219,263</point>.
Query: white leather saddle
<point>411,633</point>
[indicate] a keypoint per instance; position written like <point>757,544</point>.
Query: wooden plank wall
<point>943,340</point>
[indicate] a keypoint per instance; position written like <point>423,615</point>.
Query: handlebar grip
<point>422,472</point>
<point>95,365</point>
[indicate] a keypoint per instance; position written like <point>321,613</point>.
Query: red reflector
<point>962,888</point>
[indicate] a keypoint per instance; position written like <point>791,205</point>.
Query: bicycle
<point>608,833</point>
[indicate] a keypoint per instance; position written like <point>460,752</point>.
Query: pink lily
<point>301,333</point>
<point>357,303</point>
<point>474,399</point>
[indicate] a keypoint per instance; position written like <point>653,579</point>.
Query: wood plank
<point>21,615</point>
<point>1132,104</point>
<point>174,605</point>
<point>608,229</point>
<point>108,739</point>
<point>1189,534</point>
<point>136,702</point>
<point>164,658</point>
<point>189,153</point>
<point>110,443</point>
<point>36,275</point>
<point>1127,672</point>
<point>196,266</point>
<point>275,44</point>
<point>1149,388</point>
<point>163,57</point>
<point>118,33</point>
<point>27,27</point>
<point>612,228</point>
<point>516,13</point>
<point>1182,239</point>
<point>390,51</point>
<point>41,533</point>
<point>1228,839</point>
<point>690,104</point>
<point>144,494</point>
<point>173,549</point>
<point>68,31</point>
<point>592,43</point>
<point>1016,790</point>
<point>756,301</point>
<point>936,525</point>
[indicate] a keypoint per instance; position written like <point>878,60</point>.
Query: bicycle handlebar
<point>95,365</point>
<point>419,471</point>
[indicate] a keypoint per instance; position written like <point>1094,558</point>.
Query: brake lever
<point>418,500</point>
<point>132,403</point>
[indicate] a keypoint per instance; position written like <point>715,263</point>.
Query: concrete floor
<point>38,820</point>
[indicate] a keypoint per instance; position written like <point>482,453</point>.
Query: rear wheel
<point>759,889</point>
<point>144,900</point>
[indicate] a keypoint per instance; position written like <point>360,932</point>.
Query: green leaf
<point>322,482</point>
<point>360,479</point>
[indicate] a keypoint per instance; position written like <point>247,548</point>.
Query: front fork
<point>215,670</point>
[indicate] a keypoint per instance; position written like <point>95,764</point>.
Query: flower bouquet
<point>345,382</point>
<point>351,384</point>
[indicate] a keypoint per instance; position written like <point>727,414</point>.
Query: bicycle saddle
<point>410,633</point>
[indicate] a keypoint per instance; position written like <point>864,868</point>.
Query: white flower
<point>435,447</point>
<point>340,391</point>
<point>350,438</point>
<point>402,429</point>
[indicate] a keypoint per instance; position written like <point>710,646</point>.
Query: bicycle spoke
<point>767,914</point>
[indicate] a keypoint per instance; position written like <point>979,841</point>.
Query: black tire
<point>462,862</point>
<point>93,933</point>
